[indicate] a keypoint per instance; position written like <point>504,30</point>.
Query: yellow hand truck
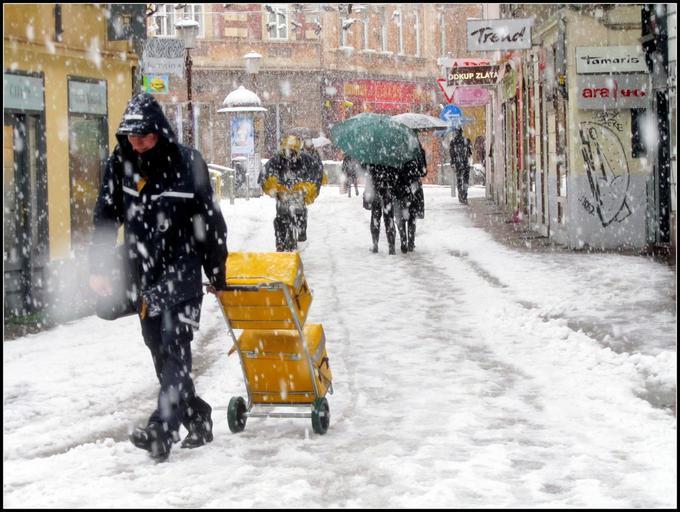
<point>284,362</point>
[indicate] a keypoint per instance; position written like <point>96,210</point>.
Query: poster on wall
<point>156,84</point>
<point>242,135</point>
<point>608,173</point>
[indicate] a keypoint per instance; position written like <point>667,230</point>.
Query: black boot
<point>200,432</point>
<point>404,246</point>
<point>375,242</point>
<point>411,237</point>
<point>152,440</point>
<point>392,249</point>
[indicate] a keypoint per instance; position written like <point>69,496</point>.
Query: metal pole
<point>230,186</point>
<point>190,108</point>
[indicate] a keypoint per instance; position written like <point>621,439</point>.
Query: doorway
<point>25,237</point>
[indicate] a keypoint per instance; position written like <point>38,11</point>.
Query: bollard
<point>230,185</point>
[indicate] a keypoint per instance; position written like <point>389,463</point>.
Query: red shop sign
<point>381,91</point>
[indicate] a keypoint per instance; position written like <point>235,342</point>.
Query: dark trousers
<point>351,180</point>
<point>301,219</point>
<point>382,206</point>
<point>289,223</point>
<point>406,224</point>
<point>463,178</point>
<point>168,336</point>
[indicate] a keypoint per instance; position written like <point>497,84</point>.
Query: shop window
<point>638,147</point>
<point>88,151</point>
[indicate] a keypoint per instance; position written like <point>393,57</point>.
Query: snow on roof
<point>242,100</point>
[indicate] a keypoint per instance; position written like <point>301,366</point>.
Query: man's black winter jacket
<point>164,199</point>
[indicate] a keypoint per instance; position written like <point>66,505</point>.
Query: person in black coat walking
<point>379,197</point>
<point>160,191</point>
<point>409,200</point>
<point>460,151</point>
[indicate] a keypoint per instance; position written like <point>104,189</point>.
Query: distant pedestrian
<point>379,195</point>
<point>480,152</point>
<point>291,177</point>
<point>409,200</point>
<point>160,192</point>
<point>460,151</point>
<point>349,170</point>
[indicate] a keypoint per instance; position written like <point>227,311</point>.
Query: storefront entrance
<point>25,213</point>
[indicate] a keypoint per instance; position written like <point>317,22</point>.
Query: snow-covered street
<point>465,374</point>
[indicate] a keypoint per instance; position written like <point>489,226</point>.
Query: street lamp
<point>253,62</point>
<point>188,30</point>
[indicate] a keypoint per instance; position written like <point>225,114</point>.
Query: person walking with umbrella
<point>379,194</point>
<point>383,145</point>
<point>409,200</point>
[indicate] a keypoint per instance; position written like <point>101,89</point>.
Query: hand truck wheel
<point>321,415</point>
<point>236,414</point>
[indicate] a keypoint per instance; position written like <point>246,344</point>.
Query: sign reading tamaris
<point>475,75</point>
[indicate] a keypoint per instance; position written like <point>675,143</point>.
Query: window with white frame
<point>400,24</point>
<point>383,32</point>
<point>366,45</point>
<point>277,21</point>
<point>442,33</point>
<point>164,19</point>
<point>417,27</point>
<point>343,33</point>
<point>195,12</point>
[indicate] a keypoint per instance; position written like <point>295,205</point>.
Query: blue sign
<point>451,113</point>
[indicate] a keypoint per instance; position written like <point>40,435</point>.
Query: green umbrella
<point>376,139</point>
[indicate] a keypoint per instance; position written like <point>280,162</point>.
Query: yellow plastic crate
<point>277,369</point>
<point>250,302</point>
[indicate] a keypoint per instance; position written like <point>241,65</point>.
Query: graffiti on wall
<point>607,169</point>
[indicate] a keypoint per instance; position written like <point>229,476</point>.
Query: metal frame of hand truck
<point>267,410</point>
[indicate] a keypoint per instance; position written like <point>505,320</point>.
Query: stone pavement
<point>485,214</point>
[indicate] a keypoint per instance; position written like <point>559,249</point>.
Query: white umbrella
<point>320,141</point>
<point>420,122</point>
